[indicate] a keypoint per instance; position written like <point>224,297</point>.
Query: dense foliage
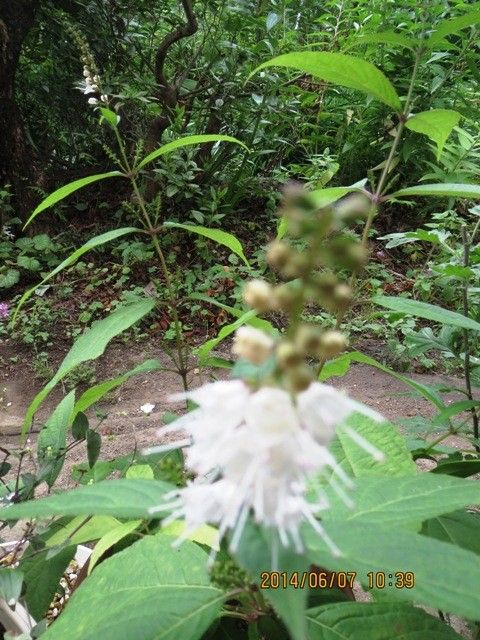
<point>149,154</point>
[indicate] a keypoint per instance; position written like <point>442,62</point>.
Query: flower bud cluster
<point>92,86</point>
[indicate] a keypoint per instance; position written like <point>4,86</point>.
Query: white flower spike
<point>255,451</point>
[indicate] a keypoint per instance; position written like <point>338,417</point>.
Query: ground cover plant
<point>274,165</point>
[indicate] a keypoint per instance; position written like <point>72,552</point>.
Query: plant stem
<point>182,367</point>
<point>466,340</point>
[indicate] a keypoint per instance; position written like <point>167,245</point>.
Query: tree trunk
<point>17,164</point>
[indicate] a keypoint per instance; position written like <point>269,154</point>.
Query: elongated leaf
<point>11,581</point>
<point>217,235</point>
<point>454,409</point>
<point>461,528</point>
<point>204,349</point>
<point>341,365</point>
<point>340,69</point>
<point>111,537</point>
<point>383,37</point>
<point>453,589</point>
<point>459,468</point>
<point>187,141</point>
<point>89,346</point>
<point>91,244</point>
<point>256,554</point>
<point>259,323</point>
<point>42,577</point>
<point>121,498</point>
<point>384,436</point>
<point>52,439</point>
<point>79,530</point>
<point>437,124</point>
<point>404,501</point>
<point>68,189</point>
<point>448,27</point>
<point>375,621</point>
<point>447,190</point>
<point>148,591</point>
<point>427,311</point>
<point>97,392</point>
<point>324,197</point>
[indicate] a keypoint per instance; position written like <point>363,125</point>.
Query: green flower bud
<point>288,355</point>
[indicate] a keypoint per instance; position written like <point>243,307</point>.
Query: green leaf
<point>427,311</point>
<point>444,190</point>
<point>324,197</point>
<point>52,439</point>
<point>340,69</point>
<point>454,409</point>
<point>404,501</point>
<point>140,471</point>
<point>42,578</point>
<point>110,116</point>
<point>91,244</point>
<point>255,555</point>
<point>11,581</point>
<point>94,444</point>
<point>186,142</point>
<point>385,437</point>
<point>78,530</point>
<point>121,498</point>
<point>68,189</point>
<point>453,589</point>
<point>165,593</point>
<point>110,538</point>
<point>375,621</point>
<point>206,534</point>
<point>204,349</point>
<point>448,27</point>
<point>461,528</point>
<point>383,37</point>
<point>459,468</point>
<point>437,124</point>
<point>217,235</point>
<point>91,345</point>
<point>80,426</point>
<point>356,356</point>
<point>31,264</point>
<point>9,278</point>
<point>97,392</point>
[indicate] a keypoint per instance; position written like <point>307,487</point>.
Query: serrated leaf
<point>217,235</point>
<point>340,69</point>
<point>385,437</point>
<point>403,502</point>
<point>437,124</point>
<point>91,345</point>
<point>186,142</point>
<point>9,278</point>
<point>427,311</point>
<point>31,264</point>
<point>121,498</point>
<point>68,189</point>
<point>114,603</point>
<point>448,27</point>
<point>453,589</point>
<point>375,621</point>
<point>72,258</point>
<point>441,190</point>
